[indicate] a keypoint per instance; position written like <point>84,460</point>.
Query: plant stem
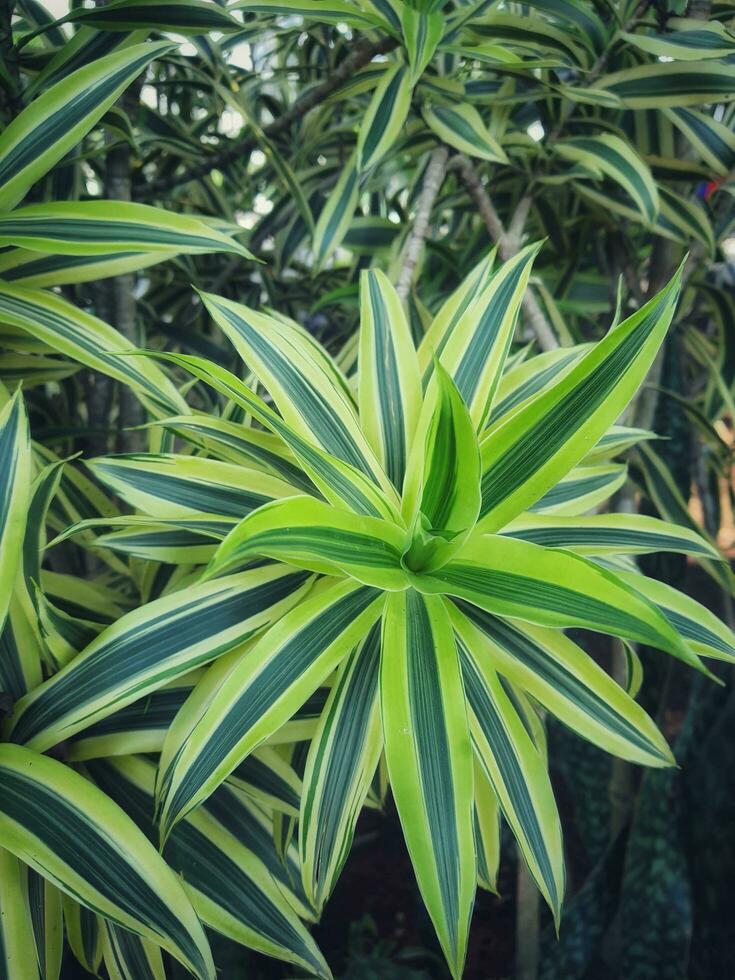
<point>414,245</point>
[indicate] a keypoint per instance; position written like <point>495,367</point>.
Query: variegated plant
<point>416,544</point>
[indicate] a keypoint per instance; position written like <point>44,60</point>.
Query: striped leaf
<point>71,833</point>
<point>180,16</point>
<point>612,157</point>
<point>264,689</point>
<point>713,141</point>
<point>441,494</point>
<point>601,534</point>
<point>311,534</point>
<point>389,384</point>
<point>581,489</point>
<point>514,768</point>
<point>450,313</point>
<point>702,630</point>
<point>663,85</point>
<point>227,862</point>
<point>57,120</point>
<point>475,353</point>
<point>487,831</point>
<point>339,482</point>
<point>269,780</point>
<point>33,269</point>
<point>45,909</point>
<point>342,760</point>
<point>429,758</point>
<point>94,228</point>
<point>461,126</point>
<point>616,440</point>
<point>17,961</point>
<point>385,116</point>
<point>698,40</point>
<point>172,485</point>
<point>20,653</point>
<point>329,12</point>
<point>567,682</point>
<point>85,338</point>
<point>83,934</point>
<point>540,443</point>
<point>150,646</point>
<point>140,727</point>
<point>422,33</point>
<point>233,442</point>
<point>15,466</point>
<point>300,385</point>
<point>128,957</point>
<point>551,588</point>
<point>336,215</point>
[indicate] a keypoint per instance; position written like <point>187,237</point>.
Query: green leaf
<point>179,16</point>
<point>385,116</point>
<point>389,384</point>
<point>336,215</point>
<point>601,534</point>
<point>151,646</point>
<point>551,588</point>
<point>441,494</point>
<point>172,485</point>
<point>70,832</point>
<point>228,864</point>
<point>57,120</point>
<point>567,682</point>
<point>461,126</point>
<point>301,386</point>
<point>15,466</point>
<point>85,338</point>
<point>342,760</point>
<point>610,156</point>
<point>312,534</point>
<point>476,352</point>
<point>95,228</point>
<point>17,962</point>
<point>128,957</point>
<point>422,33</point>
<point>265,688</point>
<point>429,758</point>
<point>513,766</point>
<point>670,84</point>
<point>536,446</point>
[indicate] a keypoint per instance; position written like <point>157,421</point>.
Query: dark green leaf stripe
<point>626,173</point>
<point>532,386</point>
<point>493,727</point>
<point>137,660</point>
<point>334,544</point>
<point>338,209</point>
<point>116,234</point>
<point>672,84</point>
<point>523,648</point>
<point>152,714</point>
<point>254,773</point>
<point>77,840</point>
<point>289,662</point>
<point>538,442</point>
